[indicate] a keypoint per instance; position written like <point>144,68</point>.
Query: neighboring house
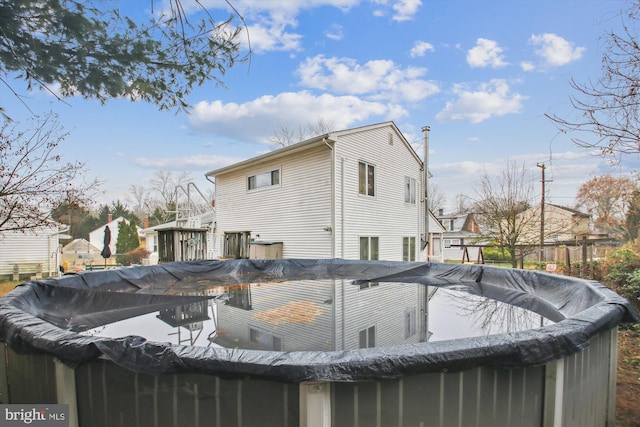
<point>460,235</point>
<point>436,237</point>
<point>30,253</point>
<point>561,224</point>
<point>352,194</point>
<point>96,237</point>
<point>183,240</point>
<point>79,254</point>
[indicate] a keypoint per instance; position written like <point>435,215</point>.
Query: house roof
<point>325,139</point>
<point>573,211</point>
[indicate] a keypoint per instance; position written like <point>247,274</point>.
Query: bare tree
<point>498,205</point>
<point>607,108</point>
<point>139,200</point>
<point>33,178</point>
<point>287,134</point>
<point>435,197</point>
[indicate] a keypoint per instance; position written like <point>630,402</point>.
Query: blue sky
<point>481,73</point>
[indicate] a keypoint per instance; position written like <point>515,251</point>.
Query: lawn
<point>628,388</point>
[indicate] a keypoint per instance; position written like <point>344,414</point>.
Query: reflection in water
<point>325,315</point>
<point>455,314</point>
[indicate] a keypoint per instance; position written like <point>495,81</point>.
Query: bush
<point>133,257</point>
<point>624,274</point>
<point>493,253</point>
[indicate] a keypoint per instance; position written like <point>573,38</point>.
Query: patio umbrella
<point>106,251</point>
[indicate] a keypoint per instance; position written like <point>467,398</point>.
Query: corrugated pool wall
<point>575,391</point>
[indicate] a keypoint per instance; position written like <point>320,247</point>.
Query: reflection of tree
<point>493,316</point>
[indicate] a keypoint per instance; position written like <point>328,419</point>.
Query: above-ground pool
<point>315,343</point>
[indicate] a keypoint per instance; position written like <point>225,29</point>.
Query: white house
<point>353,194</point>
<point>30,253</point>
<point>96,237</point>
<point>460,236</point>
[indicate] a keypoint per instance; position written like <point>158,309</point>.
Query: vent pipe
<point>425,167</point>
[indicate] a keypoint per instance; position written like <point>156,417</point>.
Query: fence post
<point>583,272</point>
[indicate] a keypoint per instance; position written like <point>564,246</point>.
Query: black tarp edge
<point>26,333</point>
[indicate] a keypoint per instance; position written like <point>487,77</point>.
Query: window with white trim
<point>410,323</point>
<point>368,247</point>
<point>449,242</point>
<point>265,179</point>
<point>408,248</point>
<point>409,190</point>
<point>368,337</point>
<point>366,179</point>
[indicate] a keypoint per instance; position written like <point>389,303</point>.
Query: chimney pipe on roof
<point>425,242</point>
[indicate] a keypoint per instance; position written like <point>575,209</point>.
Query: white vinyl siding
<point>317,211</point>
<point>386,215</point>
<point>296,213</point>
<point>28,249</point>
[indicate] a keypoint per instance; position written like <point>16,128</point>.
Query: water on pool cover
<point>326,315</point>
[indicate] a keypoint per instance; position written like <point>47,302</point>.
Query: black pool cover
<point>47,316</point>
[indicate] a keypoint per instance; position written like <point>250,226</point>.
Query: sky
<point>481,73</point>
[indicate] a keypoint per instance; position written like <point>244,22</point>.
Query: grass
<point>628,381</point>
<point>6,287</point>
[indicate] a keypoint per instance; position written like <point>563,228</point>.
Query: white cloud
<point>336,32</point>
<point>554,50</point>
<point>255,121</point>
<point>489,100</point>
<point>376,79</point>
<point>486,53</point>
<point>272,35</point>
<point>404,10</point>
<point>194,162</point>
<point>527,66</point>
<point>420,48</point>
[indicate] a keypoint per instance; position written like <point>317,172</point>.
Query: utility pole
<point>543,167</point>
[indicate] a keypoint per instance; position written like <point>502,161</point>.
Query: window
<point>366,179</point>
<point>368,248</point>
<point>408,248</point>
<point>409,190</point>
<point>265,179</point>
<point>368,337</point>
<point>265,340</point>
<point>451,242</point>
<point>410,323</point>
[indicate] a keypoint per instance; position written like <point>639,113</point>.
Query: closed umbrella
<point>106,251</point>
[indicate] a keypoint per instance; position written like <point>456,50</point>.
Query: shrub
<point>624,274</point>
<point>133,257</point>
<point>494,253</point>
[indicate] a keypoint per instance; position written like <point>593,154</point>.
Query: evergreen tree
<point>127,240</point>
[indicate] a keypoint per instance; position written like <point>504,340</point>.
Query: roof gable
<point>325,139</point>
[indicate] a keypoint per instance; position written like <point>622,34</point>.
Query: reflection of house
<point>352,194</point>
<point>28,253</point>
<point>461,233</point>
<point>325,315</point>
<point>80,253</point>
<point>561,224</point>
